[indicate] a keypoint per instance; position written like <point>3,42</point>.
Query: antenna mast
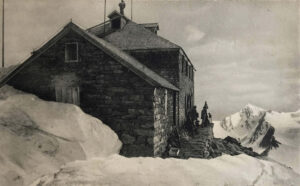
<point>131,10</point>
<point>3,34</point>
<point>104,16</point>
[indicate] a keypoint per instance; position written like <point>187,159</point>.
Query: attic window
<point>71,52</point>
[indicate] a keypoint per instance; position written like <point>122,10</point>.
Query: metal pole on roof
<point>104,16</point>
<point>3,34</point>
<point>131,9</point>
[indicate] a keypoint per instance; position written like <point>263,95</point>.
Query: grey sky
<point>244,51</point>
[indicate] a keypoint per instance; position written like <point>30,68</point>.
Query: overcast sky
<point>244,51</point>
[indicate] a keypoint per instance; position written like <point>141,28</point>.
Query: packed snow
<point>121,171</point>
<point>50,143</point>
<point>37,137</point>
<point>287,132</point>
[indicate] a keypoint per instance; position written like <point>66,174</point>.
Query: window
<point>187,69</point>
<point>189,101</point>
<point>71,52</point>
<point>67,94</point>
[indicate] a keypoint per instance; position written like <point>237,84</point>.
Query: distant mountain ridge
<point>262,130</point>
<point>249,127</point>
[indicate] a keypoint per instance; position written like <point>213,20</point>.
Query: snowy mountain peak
<point>255,110</point>
<point>261,130</point>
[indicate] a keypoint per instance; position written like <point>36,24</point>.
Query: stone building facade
<point>138,83</point>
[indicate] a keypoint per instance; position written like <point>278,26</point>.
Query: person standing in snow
<point>209,117</point>
<point>205,116</point>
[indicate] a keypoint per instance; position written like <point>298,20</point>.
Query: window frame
<point>182,64</point>
<point>187,69</point>
<point>77,52</point>
<point>166,101</point>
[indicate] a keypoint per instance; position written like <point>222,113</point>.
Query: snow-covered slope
<point>254,127</point>
<point>287,132</point>
<point>49,143</point>
<point>37,137</point>
<point>120,171</point>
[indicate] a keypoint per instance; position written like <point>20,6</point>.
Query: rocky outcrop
<point>198,146</point>
<point>230,146</point>
<point>204,145</point>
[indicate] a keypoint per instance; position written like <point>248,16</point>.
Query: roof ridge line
<point>148,75</point>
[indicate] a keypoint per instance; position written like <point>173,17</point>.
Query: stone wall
<point>108,91</point>
<point>164,120</point>
<point>186,86</point>
<point>168,63</point>
<point>163,62</point>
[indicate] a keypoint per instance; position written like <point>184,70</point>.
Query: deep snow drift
<point>222,171</point>
<point>37,137</point>
<point>251,125</point>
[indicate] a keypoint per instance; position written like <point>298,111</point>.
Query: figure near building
<point>206,117</point>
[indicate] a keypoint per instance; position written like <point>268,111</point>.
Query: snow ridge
<point>37,137</point>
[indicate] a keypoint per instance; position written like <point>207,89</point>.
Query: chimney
<point>122,6</point>
<point>117,19</point>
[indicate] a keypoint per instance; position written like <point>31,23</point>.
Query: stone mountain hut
<point>121,72</point>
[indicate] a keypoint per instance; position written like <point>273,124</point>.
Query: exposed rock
<point>269,140</point>
<point>232,140</point>
<point>230,146</point>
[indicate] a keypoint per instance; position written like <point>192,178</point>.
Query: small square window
<point>71,52</point>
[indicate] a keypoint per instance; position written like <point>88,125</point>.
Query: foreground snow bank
<point>120,171</point>
<point>37,137</point>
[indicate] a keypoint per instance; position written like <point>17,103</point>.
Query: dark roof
<point>134,36</point>
<point>98,30</point>
<point>119,55</point>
